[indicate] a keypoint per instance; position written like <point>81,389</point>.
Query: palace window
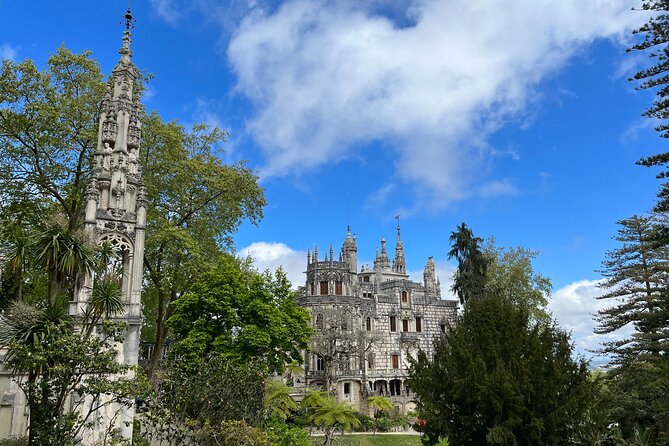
<point>370,361</point>
<point>319,321</point>
<point>393,323</point>
<point>347,388</point>
<point>324,288</point>
<point>338,288</point>
<point>395,361</point>
<point>443,328</point>
<point>365,279</point>
<point>405,324</point>
<point>419,325</point>
<point>320,364</point>
<point>368,324</point>
<point>311,289</point>
<point>405,297</point>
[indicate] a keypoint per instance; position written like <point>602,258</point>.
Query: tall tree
<point>500,378</point>
<point>469,279</point>
<point>636,285</point>
<point>195,203</point>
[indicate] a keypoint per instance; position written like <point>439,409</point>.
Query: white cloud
<point>328,76</point>
<point>574,307</point>
<point>7,52</point>
<point>272,255</point>
<point>166,10</point>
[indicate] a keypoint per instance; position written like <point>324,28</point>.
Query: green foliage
<point>14,441</point>
<point>500,378</point>
<point>636,286</point>
<point>510,274</point>
<point>329,415</point>
<point>278,400</point>
<point>380,403</point>
<point>282,434</point>
<point>195,203</point>
<point>188,402</point>
<point>241,315</point>
<point>469,279</point>
<point>48,130</point>
<point>51,361</point>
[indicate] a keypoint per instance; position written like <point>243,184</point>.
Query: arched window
<point>405,296</point>
<point>338,288</point>
<point>320,364</point>
<point>324,288</point>
<point>319,321</point>
<point>419,325</point>
<point>368,324</point>
<point>393,323</point>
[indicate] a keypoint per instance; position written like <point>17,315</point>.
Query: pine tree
<point>635,279</point>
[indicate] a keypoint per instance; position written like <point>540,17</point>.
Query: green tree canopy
<point>498,377</point>
<point>241,314</point>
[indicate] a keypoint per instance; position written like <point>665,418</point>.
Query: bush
<point>14,441</point>
<point>282,434</point>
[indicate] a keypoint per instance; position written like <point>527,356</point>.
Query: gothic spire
<point>399,264</point>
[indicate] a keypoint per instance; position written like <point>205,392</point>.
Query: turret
<point>430,277</point>
<point>399,264</point>
<point>382,262</point>
<point>350,251</point>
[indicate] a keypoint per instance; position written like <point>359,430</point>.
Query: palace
<point>368,322</point>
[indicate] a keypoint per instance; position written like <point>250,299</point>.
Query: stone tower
<point>116,206</point>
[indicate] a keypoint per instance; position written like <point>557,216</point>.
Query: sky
<point>514,116</point>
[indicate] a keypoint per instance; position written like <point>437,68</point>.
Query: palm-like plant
<point>63,256</point>
<point>278,400</point>
<point>331,415</point>
<point>18,243</point>
<point>380,403</point>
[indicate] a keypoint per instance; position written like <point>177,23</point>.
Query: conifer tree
<point>635,279</point>
<point>470,277</point>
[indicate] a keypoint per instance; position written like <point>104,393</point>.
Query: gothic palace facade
<point>368,321</point>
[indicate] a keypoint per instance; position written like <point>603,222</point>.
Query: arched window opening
<point>368,324</point>
<point>324,288</point>
<point>319,321</point>
<point>405,296</point>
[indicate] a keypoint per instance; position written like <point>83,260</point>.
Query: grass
<point>379,440</point>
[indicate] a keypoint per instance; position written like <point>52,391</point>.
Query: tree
<point>240,315</point>
<point>635,278</point>
<point>469,279</point>
<point>48,131</point>
<point>195,203</point>
<point>636,283</point>
<point>338,340</point>
<point>510,273</point>
<point>326,413</point>
<point>498,377</point>
<point>278,400</point>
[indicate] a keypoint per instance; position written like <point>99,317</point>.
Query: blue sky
<point>513,116</point>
